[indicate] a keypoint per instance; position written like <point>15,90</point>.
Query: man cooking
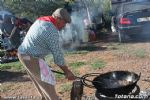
<point>41,39</point>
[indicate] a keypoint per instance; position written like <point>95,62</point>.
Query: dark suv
<point>131,19</point>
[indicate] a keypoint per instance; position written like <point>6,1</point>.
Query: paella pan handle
<point>83,79</point>
<point>86,82</point>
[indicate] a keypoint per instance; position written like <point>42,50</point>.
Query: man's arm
<point>56,50</point>
<point>13,31</point>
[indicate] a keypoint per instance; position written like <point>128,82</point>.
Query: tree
<point>32,8</point>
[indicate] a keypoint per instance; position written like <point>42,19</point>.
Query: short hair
<point>62,13</point>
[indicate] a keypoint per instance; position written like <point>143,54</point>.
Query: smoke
<point>74,34</point>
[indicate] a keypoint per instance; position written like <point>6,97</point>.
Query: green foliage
<point>13,65</point>
<point>106,5</point>
<point>106,8</point>
<point>31,8</point>
<point>77,64</point>
<point>98,64</point>
<point>59,76</point>
<point>140,53</point>
<point>77,52</point>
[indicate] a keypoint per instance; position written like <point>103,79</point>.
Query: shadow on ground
<point>91,47</point>
<point>113,37</point>
<point>9,76</point>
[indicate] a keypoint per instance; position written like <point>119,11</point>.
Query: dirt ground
<point>134,57</point>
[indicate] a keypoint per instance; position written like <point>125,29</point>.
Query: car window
<point>117,4</point>
<point>135,6</point>
<point>140,0</point>
<point>119,1</point>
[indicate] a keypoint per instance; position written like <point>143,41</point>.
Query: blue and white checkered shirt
<point>41,39</point>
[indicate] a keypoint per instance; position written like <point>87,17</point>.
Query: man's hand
<point>69,75</point>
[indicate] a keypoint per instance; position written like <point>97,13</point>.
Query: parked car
<point>116,3</point>
<point>131,19</point>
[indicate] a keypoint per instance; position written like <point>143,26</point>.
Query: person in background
<point>25,24</point>
<point>1,37</point>
<point>11,27</point>
<point>89,30</point>
<point>42,39</point>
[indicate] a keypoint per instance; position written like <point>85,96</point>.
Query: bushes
<point>32,9</point>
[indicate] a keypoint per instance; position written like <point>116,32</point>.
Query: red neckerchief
<point>48,19</point>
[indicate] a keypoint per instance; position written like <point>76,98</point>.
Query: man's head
<point>62,17</point>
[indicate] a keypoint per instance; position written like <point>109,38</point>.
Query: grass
<point>115,46</point>
<point>59,76</point>
<point>98,64</point>
<point>5,87</point>
<point>76,64</point>
<point>84,52</point>
<point>75,72</point>
<point>128,50</point>
<point>141,53</point>
<point>65,87</point>
<point>13,65</point>
<point>84,49</point>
